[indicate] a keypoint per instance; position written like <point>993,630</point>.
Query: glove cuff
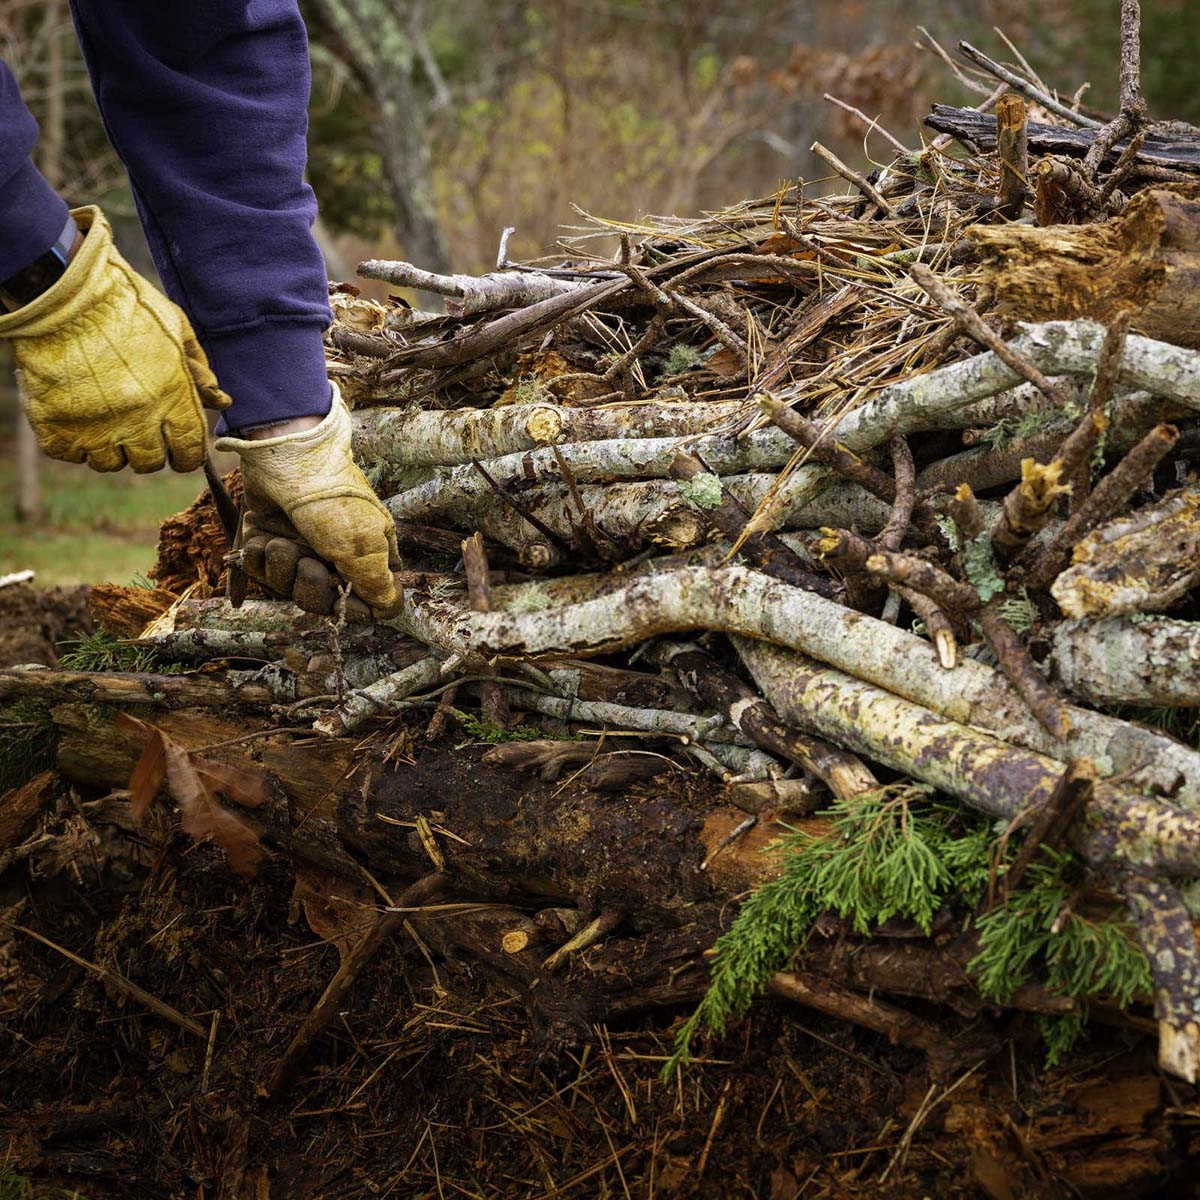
<point>80,286</point>
<point>261,452</point>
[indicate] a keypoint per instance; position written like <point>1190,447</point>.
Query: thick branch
<point>1120,661</point>
<point>468,295</point>
<point>982,771</point>
<point>737,600</point>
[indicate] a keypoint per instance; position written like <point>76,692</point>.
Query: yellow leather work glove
<point>304,492</point>
<point>108,368</point>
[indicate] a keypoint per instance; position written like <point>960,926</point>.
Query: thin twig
<point>972,324</point>
<point>117,980</point>
<point>860,181</point>
<point>1017,83</point>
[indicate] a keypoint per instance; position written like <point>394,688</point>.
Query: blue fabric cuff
<point>274,371</point>
<point>32,215</point>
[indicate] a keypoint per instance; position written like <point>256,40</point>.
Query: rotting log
<point>1159,149</point>
<point>1147,260</point>
<point>507,836</point>
<point>127,688</point>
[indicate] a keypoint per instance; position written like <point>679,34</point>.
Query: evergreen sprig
<point>900,852</point>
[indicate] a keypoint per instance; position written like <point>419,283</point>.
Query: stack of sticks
<point>827,505</point>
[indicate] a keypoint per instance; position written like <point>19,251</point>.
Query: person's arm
<point>206,103</point>
<point>32,215</point>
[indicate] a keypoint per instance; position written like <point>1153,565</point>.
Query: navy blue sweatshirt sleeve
<point>31,213</point>
<point>206,103</point>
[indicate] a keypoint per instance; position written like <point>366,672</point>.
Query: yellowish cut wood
<point>1146,260</point>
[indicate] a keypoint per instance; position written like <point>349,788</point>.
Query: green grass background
<point>94,527</point>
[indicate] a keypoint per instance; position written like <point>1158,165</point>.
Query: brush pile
<point>883,506</point>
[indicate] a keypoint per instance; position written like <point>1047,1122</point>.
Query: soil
<point>33,622</point>
<point>433,1082</point>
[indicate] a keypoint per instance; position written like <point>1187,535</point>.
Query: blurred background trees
<point>434,126</point>
<point>514,111</point>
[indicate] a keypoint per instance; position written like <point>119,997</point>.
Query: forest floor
<point>432,1084</point>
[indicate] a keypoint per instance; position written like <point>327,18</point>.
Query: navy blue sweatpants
<point>206,103</point>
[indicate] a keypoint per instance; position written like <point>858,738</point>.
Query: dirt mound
<point>34,622</point>
<point>431,1082</point>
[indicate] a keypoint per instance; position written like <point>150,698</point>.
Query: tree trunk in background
<point>28,499</point>
<point>375,39</point>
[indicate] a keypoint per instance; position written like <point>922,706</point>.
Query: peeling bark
<point>737,600</point>
<point>982,771</point>
<point>1152,662</point>
<point>1143,562</point>
<point>1167,935</point>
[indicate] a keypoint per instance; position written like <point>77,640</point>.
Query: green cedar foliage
<point>103,651</point>
<point>900,852</point>
<point>480,728</point>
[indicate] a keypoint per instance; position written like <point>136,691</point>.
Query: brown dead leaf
<point>19,806</point>
<point>725,364</point>
<point>780,243</point>
<point>242,786</point>
<point>148,776</point>
<point>337,911</point>
<point>784,1185</point>
<point>989,1173</point>
<point>203,816</point>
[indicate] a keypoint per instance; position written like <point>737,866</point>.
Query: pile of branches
<point>882,503</point>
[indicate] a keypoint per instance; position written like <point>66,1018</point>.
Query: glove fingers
<point>106,458</point>
<point>145,454</point>
<point>186,438</point>
<point>268,521</point>
<point>254,557</point>
<point>211,395</point>
<point>357,613</point>
<point>356,536</point>
<point>316,590</point>
<point>371,578</point>
<point>280,561</point>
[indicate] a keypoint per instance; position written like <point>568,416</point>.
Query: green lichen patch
<point>704,491</point>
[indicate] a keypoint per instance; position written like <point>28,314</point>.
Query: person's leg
<point>32,215</point>
<point>206,103</point>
